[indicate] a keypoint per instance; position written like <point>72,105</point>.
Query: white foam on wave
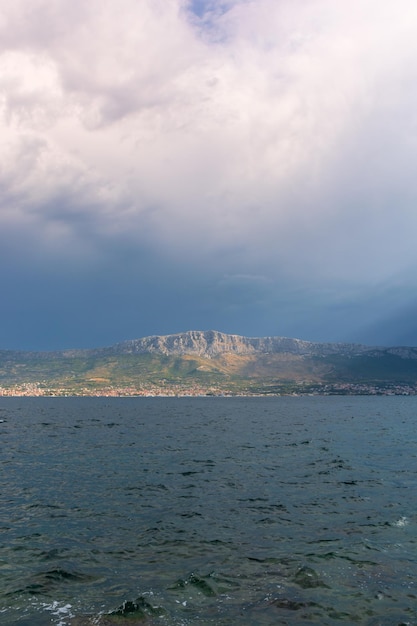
<point>403,521</point>
<point>62,611</point>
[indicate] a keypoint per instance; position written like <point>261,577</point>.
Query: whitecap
<point>63,612</point>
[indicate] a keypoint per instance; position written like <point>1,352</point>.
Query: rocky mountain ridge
<point>212,343</point>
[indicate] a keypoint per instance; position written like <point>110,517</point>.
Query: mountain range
<point>211,362</point>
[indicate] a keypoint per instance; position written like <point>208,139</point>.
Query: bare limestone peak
<point>211,343</point>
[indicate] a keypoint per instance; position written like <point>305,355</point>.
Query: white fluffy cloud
<point>285,130</point>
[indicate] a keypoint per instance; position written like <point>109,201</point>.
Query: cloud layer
<point>250,162</point>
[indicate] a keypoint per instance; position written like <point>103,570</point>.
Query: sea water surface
<point>225,511</point>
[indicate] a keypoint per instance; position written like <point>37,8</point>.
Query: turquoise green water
<point>209,511</point>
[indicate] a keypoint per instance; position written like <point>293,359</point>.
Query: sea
<point>208,511</point>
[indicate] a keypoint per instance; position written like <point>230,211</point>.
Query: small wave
<point>307,578</point>
<point>197,582</point>
<point>45,582</point>
<point>141,608</point>
<point>137,612</point>
<point>403,521</point>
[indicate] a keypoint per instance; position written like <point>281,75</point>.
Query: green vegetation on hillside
<point>112,373</point>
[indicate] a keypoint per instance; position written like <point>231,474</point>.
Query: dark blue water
<point>202,511</point>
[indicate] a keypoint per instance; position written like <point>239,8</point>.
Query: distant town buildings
<point>40,389</point>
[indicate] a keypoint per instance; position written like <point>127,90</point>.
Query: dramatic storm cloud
<point>242,165</point>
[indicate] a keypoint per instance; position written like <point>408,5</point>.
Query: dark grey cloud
<point>246,166</point>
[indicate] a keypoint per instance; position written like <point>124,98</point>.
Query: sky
<point>248,166</point>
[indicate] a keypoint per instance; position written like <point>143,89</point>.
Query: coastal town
<point>40,389</point>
